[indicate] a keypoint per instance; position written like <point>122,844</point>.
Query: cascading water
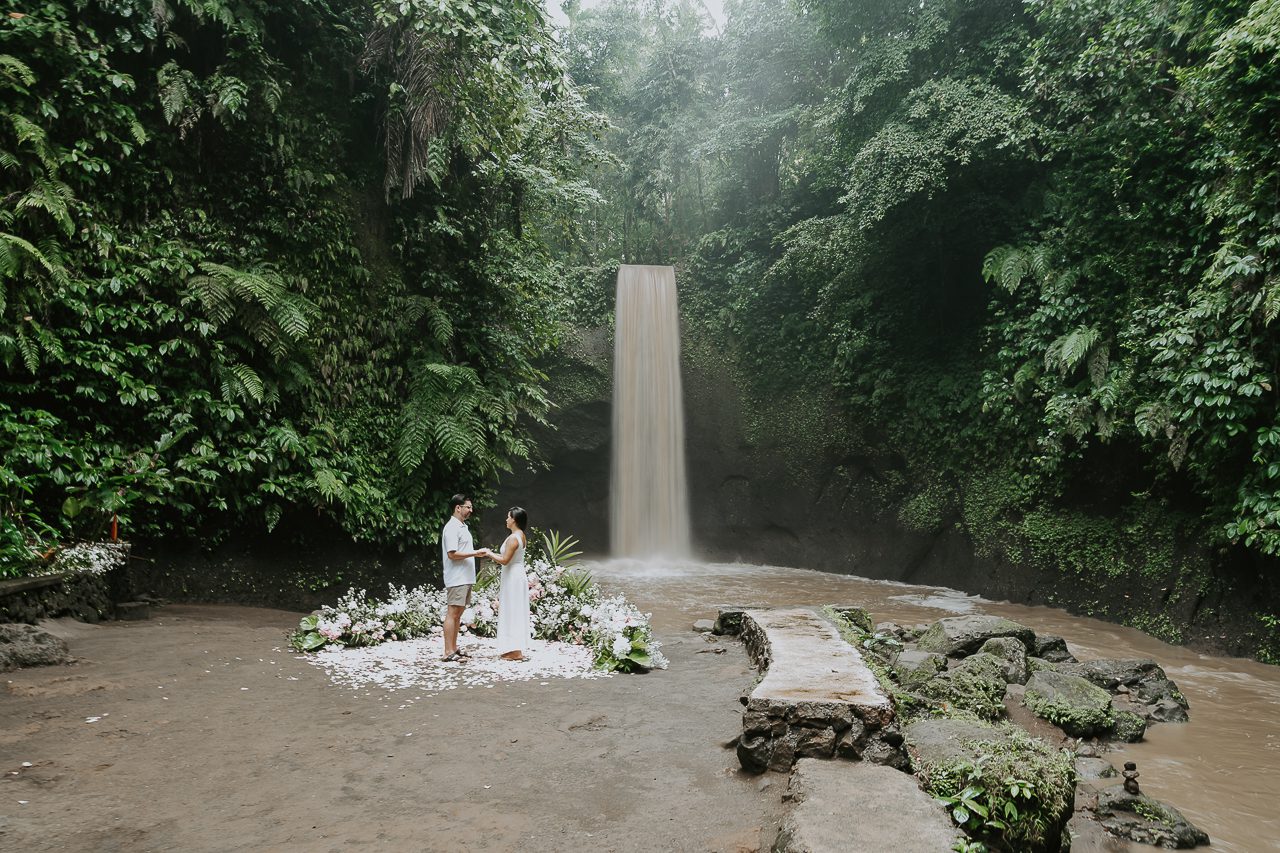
<point>649,499</point>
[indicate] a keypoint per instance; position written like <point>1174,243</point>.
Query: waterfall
<point>649,498</point>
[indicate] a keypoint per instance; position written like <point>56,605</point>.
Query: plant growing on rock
<point>1015,795</point>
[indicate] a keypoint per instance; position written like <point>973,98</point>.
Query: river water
<point>1222,769</point>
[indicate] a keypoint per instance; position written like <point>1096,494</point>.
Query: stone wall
<point>85,597</point>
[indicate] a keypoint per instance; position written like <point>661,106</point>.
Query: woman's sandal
<point>456,656</point>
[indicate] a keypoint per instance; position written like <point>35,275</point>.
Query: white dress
<point>514,627</point>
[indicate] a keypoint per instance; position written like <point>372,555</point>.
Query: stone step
<point>817,698</point>
<point>131,611</point>
<point>842,807</point>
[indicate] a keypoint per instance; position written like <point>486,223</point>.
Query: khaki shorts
<point>458,596</point>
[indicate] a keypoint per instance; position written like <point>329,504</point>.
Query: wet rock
<point>703,626</point>
<point>957,636</point>
<point>1053,649</point>
<point>1146,820</point>
<point>1013,653</point>
<point>1078,707</point>
<point>27,645</point>
<point>1094,768</point>
<point>1128,727</point>
<point>1110,674</point>
<point>1160,688</point>
<point>1167,711</point>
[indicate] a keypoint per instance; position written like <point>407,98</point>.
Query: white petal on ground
<point>416,664</point>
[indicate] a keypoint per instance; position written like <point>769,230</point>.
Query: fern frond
<point>1005,266</point>
<point>15,71</point>
<point>249,380</point>
<point>328,483</point>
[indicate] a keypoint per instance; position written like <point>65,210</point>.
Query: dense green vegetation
<point>1026,249</point>
<point>264,264</point>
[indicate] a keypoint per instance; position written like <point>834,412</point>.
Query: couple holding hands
<point>459,555</point>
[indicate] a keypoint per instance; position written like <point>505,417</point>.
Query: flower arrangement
<point>565,605</point>
<point>90,558</point>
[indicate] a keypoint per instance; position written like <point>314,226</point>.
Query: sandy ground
<point>199,730</point>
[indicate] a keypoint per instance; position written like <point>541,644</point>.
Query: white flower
<point>621,646</point>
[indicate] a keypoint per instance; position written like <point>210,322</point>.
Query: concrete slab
<point>858,807</point>
<point>808,661</point>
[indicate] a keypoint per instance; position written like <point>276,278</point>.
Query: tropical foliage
<point>218,313</point>
<point>1025,250</point>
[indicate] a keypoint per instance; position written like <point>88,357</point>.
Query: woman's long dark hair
<point>520,517</point>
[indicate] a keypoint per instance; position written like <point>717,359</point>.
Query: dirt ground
<point>211,735</point>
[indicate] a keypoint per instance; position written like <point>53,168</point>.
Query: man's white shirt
<point>457,537</point>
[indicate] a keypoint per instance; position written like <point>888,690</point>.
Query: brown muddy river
<point>1222,769</point>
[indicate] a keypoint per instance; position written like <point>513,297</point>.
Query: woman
<point>514,627</point>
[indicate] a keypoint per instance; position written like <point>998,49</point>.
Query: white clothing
<point>457,537</point>
<point>514,626</point>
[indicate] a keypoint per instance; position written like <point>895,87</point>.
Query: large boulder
<point>1079,708</point>
<point>27,645</point>
<point>976,684</point>
<point>1110,674</point>
<point>1013,653</point>
<point>957,636</point>
<point>1146,820</point>
<point>950,754</point>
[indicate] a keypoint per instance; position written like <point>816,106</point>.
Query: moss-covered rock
<point>913,668</point>
<point>1079,708</point>
<point>976,684</point>
<point>1013,653</point>
<point>957,636</point>
<point>1128,727</point>
<point>1145,820</point>
<point>1002,766</point>
<point>856,616</point>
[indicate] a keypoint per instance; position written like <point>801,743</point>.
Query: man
<point>459,556</point>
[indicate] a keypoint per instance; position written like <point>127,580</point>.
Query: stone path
<point>818,699</point>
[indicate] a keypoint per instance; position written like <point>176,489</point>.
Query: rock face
<point>27,645</point>
<point>1146,820</point>
<point>1079,708</point>
<point>892,812</point>
<point>957,636</point>
<point>817,699</point>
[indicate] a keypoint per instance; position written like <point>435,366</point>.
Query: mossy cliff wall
<point>775,481</point>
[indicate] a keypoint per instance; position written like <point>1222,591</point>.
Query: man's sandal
<point>453,657</point>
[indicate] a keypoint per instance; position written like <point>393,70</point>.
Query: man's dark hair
<point>457,501</point>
